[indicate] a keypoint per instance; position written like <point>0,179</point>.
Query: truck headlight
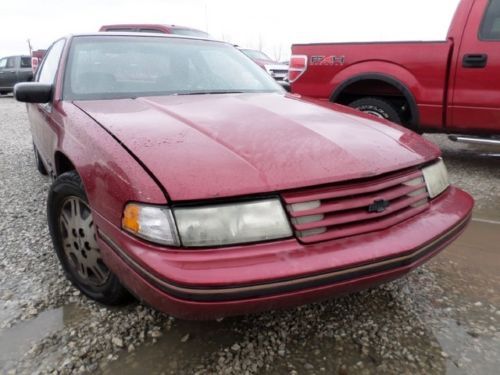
<point>227,224</point>
<point>436,178</point>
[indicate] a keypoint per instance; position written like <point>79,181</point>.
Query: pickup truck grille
<point>348,209</point>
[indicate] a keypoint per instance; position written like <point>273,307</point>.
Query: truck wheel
<point>377,107</point>
<point>38,162</point>
<point>73,234</point>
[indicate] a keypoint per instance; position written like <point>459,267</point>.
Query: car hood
<point>208,146</point>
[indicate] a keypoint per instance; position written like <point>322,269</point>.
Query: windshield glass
<point>111,67</point>
<point>254,54</point>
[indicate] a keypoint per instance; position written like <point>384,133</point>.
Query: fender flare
<point>408,95</point>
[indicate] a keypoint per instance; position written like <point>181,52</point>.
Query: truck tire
<point>73,234</point>
<point>377,107</point>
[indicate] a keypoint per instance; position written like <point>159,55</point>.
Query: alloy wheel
<point>79,242</point>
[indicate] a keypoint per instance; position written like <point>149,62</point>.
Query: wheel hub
<point>79,242</point>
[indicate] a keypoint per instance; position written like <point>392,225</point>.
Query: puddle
<point>179,350</point>
<point>19,339</point>
<point>489,213</point>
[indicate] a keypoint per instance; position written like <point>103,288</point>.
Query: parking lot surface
<point>442,318</point>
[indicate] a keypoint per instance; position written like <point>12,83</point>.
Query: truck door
<point>475,105</point>
<point>8,72</point>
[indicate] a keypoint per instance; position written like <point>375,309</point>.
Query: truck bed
<point>420,66</point>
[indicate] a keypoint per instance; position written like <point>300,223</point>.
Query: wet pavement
<point>443,318</point>
<point>460,335</point>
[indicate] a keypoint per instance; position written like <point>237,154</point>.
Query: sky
<point>270,25</point>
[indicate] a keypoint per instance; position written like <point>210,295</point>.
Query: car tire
<point>38,162</point>
<point>74,238</point>
<point>377,107</point>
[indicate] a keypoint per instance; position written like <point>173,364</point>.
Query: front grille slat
<point>361,201</point>
<point>365,228</point>
<point>359,214</point>
<point>351,189</point>
<point>341,210</point>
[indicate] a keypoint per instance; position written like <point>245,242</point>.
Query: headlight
<point>436,178</point>
<point>227,224</point>
<point>153,223</point>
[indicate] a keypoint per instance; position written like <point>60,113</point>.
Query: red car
<point>187,176</point>
<point>156,28</point>
<point>447,86</point>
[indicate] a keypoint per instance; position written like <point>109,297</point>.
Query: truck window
<point>152,31</point>
<point>25,62</point>
<point>490,28</point>
<point>120,29</point>
<point>3,62</point>
<point>11,63</point>
<point>51,63</point>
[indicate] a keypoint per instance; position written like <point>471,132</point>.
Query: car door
<point>43,126</point>
<point>475,106</point>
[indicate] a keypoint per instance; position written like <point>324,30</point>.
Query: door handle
<point>476,60</point>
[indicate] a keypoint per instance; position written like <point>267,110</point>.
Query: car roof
<point>150,26</point>
<point>143,34</point>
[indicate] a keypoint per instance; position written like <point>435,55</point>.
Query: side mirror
<point>33,92</point>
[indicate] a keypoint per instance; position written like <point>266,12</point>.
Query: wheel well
<point>380,86</point>
<point>63,164</point>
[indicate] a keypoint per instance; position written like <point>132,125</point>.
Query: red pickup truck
<point>451,86</point>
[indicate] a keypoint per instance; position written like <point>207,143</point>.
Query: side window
<point>50,64</point>
<point>3,63</point>
<point>25,62</point>
<point>490,28</point>
<point>11,63</point>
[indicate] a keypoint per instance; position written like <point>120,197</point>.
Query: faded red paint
<point>163,150</point>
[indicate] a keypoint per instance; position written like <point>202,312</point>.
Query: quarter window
<point>490,28</point>
<point>51,63</point>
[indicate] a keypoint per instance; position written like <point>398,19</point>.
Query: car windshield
<point>112,67</point>
<point>254,54</point>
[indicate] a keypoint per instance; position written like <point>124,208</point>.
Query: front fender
<point>110,174</point>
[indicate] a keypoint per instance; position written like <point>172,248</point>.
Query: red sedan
<point>185,175</point>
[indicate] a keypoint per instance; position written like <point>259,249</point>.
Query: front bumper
<point>204,284</point>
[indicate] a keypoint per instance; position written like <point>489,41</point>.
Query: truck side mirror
<point>33,92</point>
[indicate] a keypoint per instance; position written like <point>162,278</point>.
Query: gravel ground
<point>443,317</point>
